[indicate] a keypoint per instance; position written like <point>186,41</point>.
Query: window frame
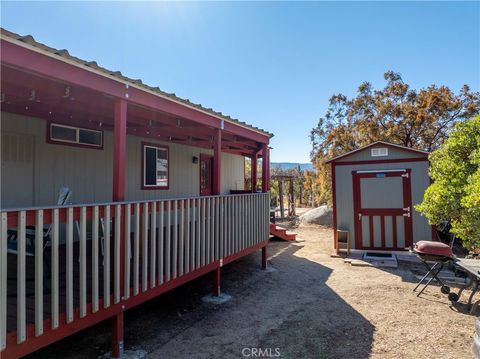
<point>378,154</point>
<point>56,141</point>
<point>142,174</point>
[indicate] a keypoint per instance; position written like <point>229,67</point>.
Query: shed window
<point>75,135</point>
<point>155,167</point>
<point>379,152</point>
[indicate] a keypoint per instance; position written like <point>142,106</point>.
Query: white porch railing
<point>99,259</point>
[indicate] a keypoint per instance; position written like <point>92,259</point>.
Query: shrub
<point>455,192</point>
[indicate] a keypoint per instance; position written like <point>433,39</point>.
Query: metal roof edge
<point>92,66</point>
<point>409,149</point>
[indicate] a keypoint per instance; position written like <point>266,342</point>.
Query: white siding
<point>88,172</point>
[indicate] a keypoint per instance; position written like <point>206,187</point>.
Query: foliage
<point>455,192</point>
<point>398,114</point>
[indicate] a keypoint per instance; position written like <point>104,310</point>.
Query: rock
<point>322,215</point>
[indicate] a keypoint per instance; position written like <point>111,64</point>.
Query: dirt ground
<point>310,306</point>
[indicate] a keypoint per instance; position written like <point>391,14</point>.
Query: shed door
<point>382,209</point>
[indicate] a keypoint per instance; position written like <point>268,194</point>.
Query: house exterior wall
<point>393,154</point>
<point>33,170</point>
<point>344,194</point>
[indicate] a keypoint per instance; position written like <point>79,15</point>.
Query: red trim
<point>152,144</point>
<point>378,143</point>
<point>217,163</point>
<point>407,202</point>
<point>334,203</point>
<point>244,252</point>
<point>117,335</point>
<point>50,336</point>
<point>119,149</point>
<point>216,282</point>
<point>207,191</point>
<point>370,225</point>
<point>253,172</point>
<point>358,225</point>
<point>31,61</point>
<point>382,212</point>
<point>265,169</point>
<point>370,162</point>
<point>394,231</point>
<point>382,228</point>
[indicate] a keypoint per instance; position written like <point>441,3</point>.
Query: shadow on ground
<point>291,308</point>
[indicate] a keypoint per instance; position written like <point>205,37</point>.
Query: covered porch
<point>137,225</point>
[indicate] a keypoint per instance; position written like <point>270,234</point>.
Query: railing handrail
<point>79,205</point>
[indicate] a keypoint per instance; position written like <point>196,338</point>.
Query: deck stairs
<point>282,233</point>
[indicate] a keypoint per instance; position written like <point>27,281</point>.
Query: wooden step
<point>282,233</point>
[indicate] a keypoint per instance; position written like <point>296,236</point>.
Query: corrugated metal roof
<point>65,55</point>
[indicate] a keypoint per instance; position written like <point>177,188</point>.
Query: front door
<point>206,175</point>
<point>382,209</point>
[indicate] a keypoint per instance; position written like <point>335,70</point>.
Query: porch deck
<point>153,247</point>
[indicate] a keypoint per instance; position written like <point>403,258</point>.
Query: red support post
<point>216,282</point>
<point>217,162</point>
<point>265,168</point>
<point>117,336</point>
<point>119,149</point>
<point>254,165</point>
<point>264,257</point>
<point>119,159</point>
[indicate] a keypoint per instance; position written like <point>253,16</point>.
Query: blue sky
<point>271,64</point>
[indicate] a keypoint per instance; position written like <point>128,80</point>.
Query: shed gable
<point>368,154</point>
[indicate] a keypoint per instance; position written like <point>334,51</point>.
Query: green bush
<point>455,191</point>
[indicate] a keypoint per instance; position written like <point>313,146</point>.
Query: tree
<point>455,192</point>
<point>398,114</point>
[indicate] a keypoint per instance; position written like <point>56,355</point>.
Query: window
<point>155,166</point>
<point>379,152</point>
<point>75,135</point>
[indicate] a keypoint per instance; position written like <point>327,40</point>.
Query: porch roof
<point>41,81</point>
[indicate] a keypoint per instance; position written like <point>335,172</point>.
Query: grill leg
<point>433,272</point>
<point>429,271</point>
<point>474,290</point>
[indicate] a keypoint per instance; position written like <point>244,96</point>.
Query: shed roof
<point>65,56</point>
<point>383,143</point>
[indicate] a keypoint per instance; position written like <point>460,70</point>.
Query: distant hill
<point>291,165</point>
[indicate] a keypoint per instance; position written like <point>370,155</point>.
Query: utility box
<point>374,190</point>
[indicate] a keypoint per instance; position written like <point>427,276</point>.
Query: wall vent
<point>380,152</point>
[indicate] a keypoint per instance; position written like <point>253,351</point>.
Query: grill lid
<point>433,248</point>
